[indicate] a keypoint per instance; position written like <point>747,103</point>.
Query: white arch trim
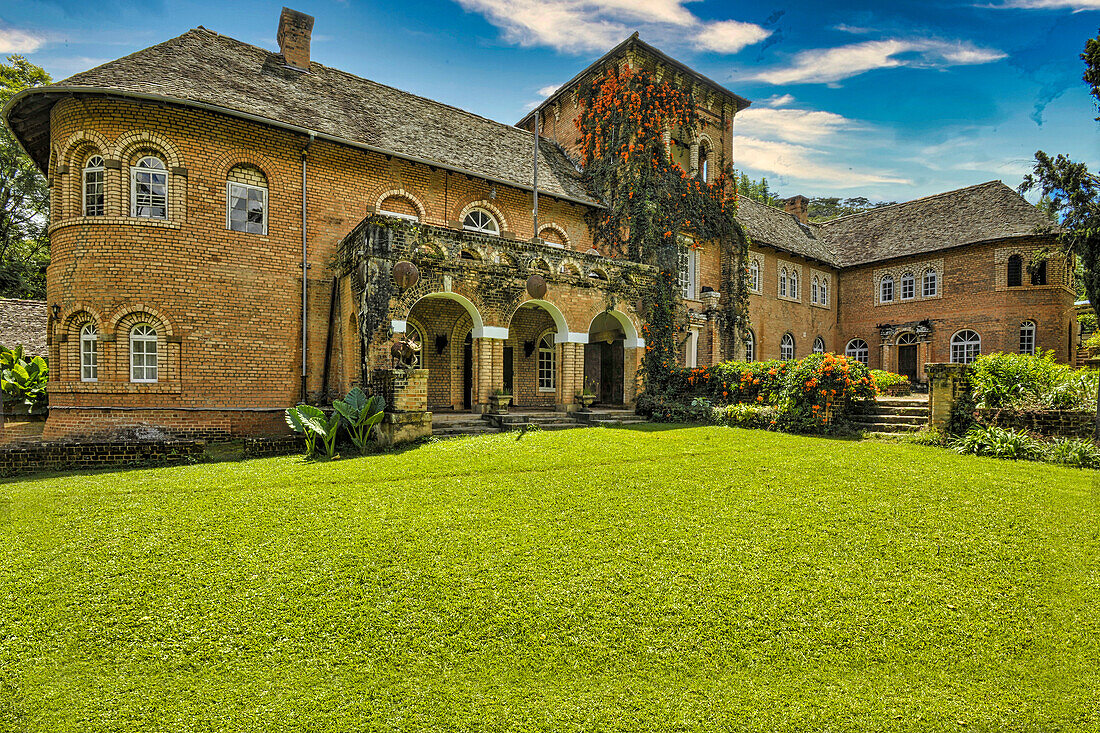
<point>633,340</point>
<point>555,313</point>
<point>479,325</point>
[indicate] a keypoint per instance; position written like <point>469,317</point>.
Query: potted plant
<point>499,401</point>
<point>587,395</point>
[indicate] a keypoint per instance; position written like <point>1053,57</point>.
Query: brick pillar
<point>488,371</point>
<point>632,359</point>
<point>571,373</point>
<point>945,383</point>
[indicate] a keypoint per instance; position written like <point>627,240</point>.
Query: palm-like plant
<point>361,415</point>
<point>312,423</point>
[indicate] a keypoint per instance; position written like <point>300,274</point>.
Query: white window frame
<point>783,282</point>
<point>886,279</point>
<point>859,350</point>
<point>823,298</point>
<point>934,280</point>
<point>94,170</point>
<point>754,276</point>
<point>910,280</point>
<point>819,345</point>
<point>688,272</point>
<point>137,170</point>
<point>89,353</point>
<point>792,285</point>
<point>965,349</point>
<point>786,343</point>
<point>145,337</point>
<point>750,346</point>
<point>691,352</point>
<point>229,206</point>
<point>547,363</point>
<point>1027,337</point>
<point>814,289</point>
<point>482,228</point>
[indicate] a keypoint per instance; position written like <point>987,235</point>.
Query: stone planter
<point>499,403</point>
<point>586,400</point>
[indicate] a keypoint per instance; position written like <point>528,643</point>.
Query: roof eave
<point>143,96</point>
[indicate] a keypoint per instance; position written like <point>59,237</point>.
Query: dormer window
<point>480,221</point>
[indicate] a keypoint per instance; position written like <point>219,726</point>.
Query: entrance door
<point>603,370</point>
<point>508,367</point>
<point>468,372</point>
<point>907,362</point>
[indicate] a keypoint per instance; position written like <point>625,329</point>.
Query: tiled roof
<point>982,213</point>
<point>23,323</point>
<point>776,228</point>
<point>205,68</point>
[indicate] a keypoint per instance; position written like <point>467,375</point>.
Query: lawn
<point>679,579</point>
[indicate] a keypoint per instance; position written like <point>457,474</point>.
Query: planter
<point>586,400</point>
<point>499,403</point>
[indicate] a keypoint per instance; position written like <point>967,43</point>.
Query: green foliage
<point>824,208</point>
<point>361,415</point>
<point>24,198</point>
<point>884,379</point>
<point>23,379</point>
<point>1074,453</point>
<point>999,443</point>
<point>927,436</point>
<point>1087,322</point>
<point>757,191</point>
<point>740,415</point>
<point>665,409</point>
<point>961,419</point>
<point>821,389</point>
<point>1023,381</point>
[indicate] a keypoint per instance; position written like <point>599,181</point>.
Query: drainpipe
<point>535,182</point>
<point>305,269</point>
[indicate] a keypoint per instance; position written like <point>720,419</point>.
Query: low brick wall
<point>1054,423</point>
<point>53,456</point>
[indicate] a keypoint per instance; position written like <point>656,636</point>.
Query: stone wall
<point>1052,423</point>
<point>54,456</point>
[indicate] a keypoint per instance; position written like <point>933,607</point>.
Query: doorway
<point>604,366</point>
<point>907,357</point>
<point>468,372</point>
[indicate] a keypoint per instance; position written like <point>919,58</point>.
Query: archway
<point>446,323</point>
<point>533,355</point>
<point>604,358</point>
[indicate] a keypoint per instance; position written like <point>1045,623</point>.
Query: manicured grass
<point>657,579</point>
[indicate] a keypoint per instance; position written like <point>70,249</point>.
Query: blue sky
<point>890,99</point>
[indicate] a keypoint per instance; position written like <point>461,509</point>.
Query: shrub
<point>1023,381</point>
<point>999,443</point>
<point>821,389</point>
<point>746,416</point>
<point>927,436</point>
<point>1076,453</point>
<point>884,379</point>
<point>22,378</point>
<point>676,410</point>
<point>757,382</point>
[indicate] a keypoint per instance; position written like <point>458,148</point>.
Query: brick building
<point>233,230</point>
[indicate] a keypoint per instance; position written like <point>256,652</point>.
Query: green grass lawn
<point>681,579</point>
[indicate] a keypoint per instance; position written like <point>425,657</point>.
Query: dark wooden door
<point>468,373</point>
<point>508,370</point>
<point>907,361</point>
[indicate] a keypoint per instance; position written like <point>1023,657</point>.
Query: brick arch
<point>561,325</point>
<point>627,321</point>
<point>556,228</point>
<point>79,314</point>
<point>128,144</point>
<point>239,156</point>
<point>402,193</point>
<point>78,142</point>
<point>502,221</point>
<point>127,316</point>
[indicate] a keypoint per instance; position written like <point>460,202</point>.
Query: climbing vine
<point>651,201</point>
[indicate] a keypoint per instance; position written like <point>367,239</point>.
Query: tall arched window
<point>1027,337</point>
<point>143,353</point>
<point>908,286</point>
<point>246,200</point>
<point>886,289</point>
<point>1015,271</point>
<point>89,353</point>
<point>94,199</point>
<point>929,286</point>
<point>819,345</point>
<point>750,346</point>
<point>1039,273</point>
<point>149,188</point>
<point>547,362</point>
<point>966,346</point>
<point>704,163</point>
<point>824,299</point>
<point>814,289</point>
<point>754,276</point>
<point>857,349</point>
<point>481,221</point>
<point>786,347</point>
<point>783,282</point>
<point>794,284</point>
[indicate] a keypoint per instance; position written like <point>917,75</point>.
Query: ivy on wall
<point>651,201</point>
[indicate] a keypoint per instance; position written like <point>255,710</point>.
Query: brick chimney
<point>799,206</point>
<point>294,32</point>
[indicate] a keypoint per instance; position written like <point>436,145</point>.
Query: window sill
<point>544,390</point>
<point>115,387</point>
<point>114,221</point>
<point>823,306</point>
<point>789,299</point>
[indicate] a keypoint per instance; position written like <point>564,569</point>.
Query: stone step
<point>880,427</point>
<point>456,432</point>
<point>901,401</point>
<point>911,411</point>
<point>614,422</point>
<point>893,419</point>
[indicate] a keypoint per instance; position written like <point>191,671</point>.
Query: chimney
<point>294,31</point>
<point>799,207</point>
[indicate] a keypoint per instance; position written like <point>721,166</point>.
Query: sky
<point>891,100</point>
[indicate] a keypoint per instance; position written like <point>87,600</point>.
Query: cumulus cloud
<point>830,65</point>
<point>1074,5</point>
<point>597,25</point>
<point>803,164</point>
<point>13,40</point>
<point>794,125</point>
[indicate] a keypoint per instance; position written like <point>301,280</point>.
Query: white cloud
<point>803,164</point>
<point>1075,5</point>
<point>830,65</point>
<point>729,36</point>
<point>779,100</point>
<point>13,40</point>
<point>597,25</point>
<point>546,91</point>
<point>794,125</point>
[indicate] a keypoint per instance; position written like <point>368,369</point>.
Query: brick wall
<point>1053,423</point>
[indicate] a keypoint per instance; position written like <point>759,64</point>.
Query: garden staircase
<point>893,415</point>
<point>446,425</point>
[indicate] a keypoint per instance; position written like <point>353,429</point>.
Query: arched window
<point>966,346</point>
<point>94,200</point>
<point>1039,273</point>
<point>814,288</point>
<point>750,346</point>
<point>886,289</point>
<point>824,299</point>
<point>143,353</point>
<point>930,286</point>
<point>149,188</point>
<point>89,353</point>
<point>819,345</point>
<point>547,360</point>
<point>1027,337</point>
<point>1015,271</point>
<point>857,349</point>
<point>415,337</point>
<point>704,163</point>
<point>783,282</point>
<point>399,207</point>
<point>246,200</point>
<point>908,339</point>
<point>786,347</point>
<point>481,221</point>
<point>687,271</point>
<point>908,286</point>
<point>754,276</point>
<point>794,284</point>
<point>552,237</point>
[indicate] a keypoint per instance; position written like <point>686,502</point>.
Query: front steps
<point>893,415</point>
<point>449,425</point>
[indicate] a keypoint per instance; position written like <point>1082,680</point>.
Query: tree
<point>757,190</point>
<point>24,198</point>
<point>1074,194</point>
<point>824,208</point>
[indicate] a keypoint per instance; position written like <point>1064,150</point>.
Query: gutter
<point>75,90</point>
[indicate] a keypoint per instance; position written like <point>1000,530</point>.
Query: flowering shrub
<point>884,379</point>
<point>757,382</point>
<point>746,416</point>
<point>820,389</point>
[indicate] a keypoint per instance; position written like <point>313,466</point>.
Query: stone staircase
<point>449,425</point>
<point>893,415</point>
<point>609,418</point>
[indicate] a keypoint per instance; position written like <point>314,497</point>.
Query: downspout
<point>305,270</point>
